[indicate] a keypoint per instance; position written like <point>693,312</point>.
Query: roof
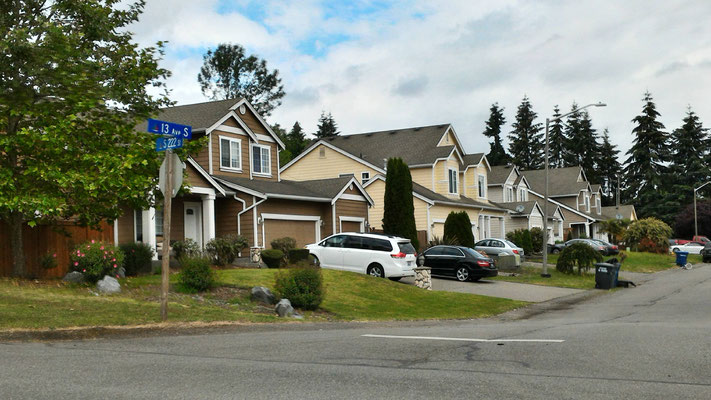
<point>499,174</point>
<point>319,188</point>
<point>526,210</point>
<point>561,181</point>
<point>374,147</point>
<point>595,187</point>
<point>438,198</point>
<point>473,159</point>
<point>199,116</point>
<point>611,212</point>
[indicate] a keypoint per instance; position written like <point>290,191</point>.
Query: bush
<point>523,239</point>
<point>48,261</point>
<point>96,259</point>
<point>297,255</point>
<point>272,257</point>
<point>656,231</point>
<point>537,239</point>
<point>647,245</point>
<point>302,286</point>
<point>138,258</point>
<point>578,255</point>
<point>569,235</point>
<point>188,248</point>
<point>284,244</point>
<point>459,226</point>
<point>224,250</point>
<point>196,274</point>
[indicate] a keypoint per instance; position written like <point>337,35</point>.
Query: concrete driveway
<point>509,290</point>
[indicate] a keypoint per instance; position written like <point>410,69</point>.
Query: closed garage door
<point>304,232</point>
<point>350,226</point>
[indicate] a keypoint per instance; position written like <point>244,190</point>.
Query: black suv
<point>706,253</point>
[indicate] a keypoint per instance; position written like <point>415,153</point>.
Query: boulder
<point>74,277</point>
<point>108,285</point>
<point>262,294</point>
<point>284,308</point>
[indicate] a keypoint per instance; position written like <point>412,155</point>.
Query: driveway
<point>509,290</point>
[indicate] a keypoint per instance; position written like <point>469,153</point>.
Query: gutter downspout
<point>244,211</point>
<point>429,223</point>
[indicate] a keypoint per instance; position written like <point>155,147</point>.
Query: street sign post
<point>177,182</point>
<point>169,128</point>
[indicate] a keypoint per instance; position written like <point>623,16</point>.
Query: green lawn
<point>640,262</point>
<point>349,296</point>
<point>532,276</point>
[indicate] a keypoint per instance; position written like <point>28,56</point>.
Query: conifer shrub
<point>458,227</point>
<point>138,258</point>
<point>272,257</point>
<point>196,274</point>
<point>302,286</point>
<point>577,255</point>
<point>298,255</point>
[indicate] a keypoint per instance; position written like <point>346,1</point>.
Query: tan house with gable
<point>236,187</point>
<point>445,178</point>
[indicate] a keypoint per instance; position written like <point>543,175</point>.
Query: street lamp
<point>545,273</point>
<point>696,224</point>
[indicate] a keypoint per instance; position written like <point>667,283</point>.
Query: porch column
<point>148,220</point>
<point>502,225</point>
<point>208,218</point>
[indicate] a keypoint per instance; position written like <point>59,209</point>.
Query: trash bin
<point>606,275</point>
<point>681,258</point>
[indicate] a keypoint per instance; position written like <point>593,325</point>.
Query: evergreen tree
<point>296,139</point>
<point>526,146</point>
<point>458,229</point>
<point>399,210</point>
<point>497,154</point>
<point>326,126</point>
<point>645,171</point>
<point>590,148</point>
<point>284,155</point>
<point>609,169</point>
<point>557,142</point>
<point>572,133</point>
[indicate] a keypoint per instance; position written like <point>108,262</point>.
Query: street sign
<point>169,128</point>
<point>165,143</point>
<point>177,181</point>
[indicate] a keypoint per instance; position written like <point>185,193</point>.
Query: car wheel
<point>316,261</point>
<point>555,251</point>
<point>674,250</point>
<point>376,270</point>
<point>462,274</point>
<point>395,278</point>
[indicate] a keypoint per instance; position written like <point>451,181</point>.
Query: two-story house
<point>236,187</point>
<point>445,178</point>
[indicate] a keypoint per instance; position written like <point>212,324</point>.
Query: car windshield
<point>510,243</point>
<point>471,252</point>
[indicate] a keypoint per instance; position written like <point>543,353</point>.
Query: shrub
<point>48,261</point>
<point>523,239</point>
<point>398,207</point>
<point>272,257</point>
<point>302,286</point>
<point>578,255</point>
<point>437,241</point>
<point>196,274</point>
<point>224,250</point>
<point>96,259</point>
<point>187,247</point>
<point>297,255</point>
<point>647,245</point>
<point>650,228</point>
<point>138,258</point>
<point>537,240</point>
<point>459,226</point>
<point>569,235</point>
<point>284,244</point>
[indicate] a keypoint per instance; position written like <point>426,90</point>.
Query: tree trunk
<point>18,253</point>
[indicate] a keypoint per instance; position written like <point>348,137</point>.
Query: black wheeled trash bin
<point>606,275</point>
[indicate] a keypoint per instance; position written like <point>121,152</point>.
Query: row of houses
<point>338,185</point>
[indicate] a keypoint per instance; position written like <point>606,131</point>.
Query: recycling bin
<point>681,257</point>
<point>606,275</point>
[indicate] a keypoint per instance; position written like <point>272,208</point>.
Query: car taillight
<point>482,263</point>
<point>398,255</point>
<point>614,247</point>
<point>515,251</point>
<point>602,247</point>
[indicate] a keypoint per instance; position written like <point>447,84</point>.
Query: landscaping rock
<point>284,308</point>
<point>108,285</point>
<point>262,294</point>
<point>74,277</point>
<point>121,272</point>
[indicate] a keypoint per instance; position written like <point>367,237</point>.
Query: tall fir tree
<point>572,132</point>
<point>497,154</point>
<point>296,139</point>
<point>399,209</point>
<point>645,168</point>
<point>557,142</point>
<point>326,126</point>
<point>609,169</point>
<point>591,149</point>
<point>526,138</point>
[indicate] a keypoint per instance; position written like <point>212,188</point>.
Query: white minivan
<point>375,254</point>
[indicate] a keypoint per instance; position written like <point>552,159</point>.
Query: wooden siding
<point>246,220</point>
<point>312,166</point>
<point>376,191</point>
<point>202,157</point>
<point>293,207</point>
<point>59,239</point>
<point>195,178</point>
<point>422,176</point>
<point>126,226</point>
<point>226,210</point>
<point>252,122</point>
<point>350,208</point>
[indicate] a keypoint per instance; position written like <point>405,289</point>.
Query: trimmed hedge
<point>272,257</point>
<point>138,258</point>
<point>296,255</point>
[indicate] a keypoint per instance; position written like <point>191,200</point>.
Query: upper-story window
<point>508,194</point>
<point>482,186</point>
<point>452,181</point>
<point>587,202</point>
<point>522,194</point>
<point>261,160</point>
<point>230,153</point>
<point>598,205</point>
<point>364,177</point>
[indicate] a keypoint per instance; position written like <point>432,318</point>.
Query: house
<point>236,187</point>
<point>445,178</point>
<point>625,211</point>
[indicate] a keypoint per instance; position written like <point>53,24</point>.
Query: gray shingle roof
<point>199,115</point>
<point>438,198</point>
<point>499,173</point>
<point>415,146</point>
<point>611,211</point>
<point>472,159</point>
<point>321,188</point>
<point>527,206</point>
<point>561,181</point>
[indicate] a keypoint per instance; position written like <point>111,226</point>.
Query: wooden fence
<point>58,239</point>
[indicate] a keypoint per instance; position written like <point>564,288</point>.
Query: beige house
<point>445,178</point>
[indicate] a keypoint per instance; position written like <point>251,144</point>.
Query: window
<point>355,242</point>
<point>523,194</point>
<point>322,152</point>
<point>336,241</point>
<point>482,186</point>
<point>452,181</point>
<point>261,160</point>
<point>453,252</point>
<point>434,251</point>
<point>138,224</point>
<point>379,244</point>
<point>509,195</point>
<point>159,222</point>
<point>598,205</point>
<point>230,153</point>
<point>587,203</point>
<point>364,177</point>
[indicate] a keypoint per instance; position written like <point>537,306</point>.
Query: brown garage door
<point>304,232</point>
<point>349,226</point>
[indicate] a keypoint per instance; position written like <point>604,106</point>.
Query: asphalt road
<point>649,342</point>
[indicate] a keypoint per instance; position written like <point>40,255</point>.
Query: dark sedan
<point>610,249</point>
<point>460,262</point>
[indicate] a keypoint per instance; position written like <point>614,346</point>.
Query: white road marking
<point>466,339</point>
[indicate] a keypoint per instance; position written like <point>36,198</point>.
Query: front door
<point>192,222</point>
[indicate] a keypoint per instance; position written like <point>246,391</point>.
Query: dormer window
<point>508,195</point>
<point>482,186</point>
<point>452,181</point>
<point>522,194</point>
<point>587,202</point>
<point>598,205</point>
<point>261,160</point>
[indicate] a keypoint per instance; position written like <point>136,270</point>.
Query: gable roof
<point>199,115</point>
<point>561,181</point>
<point>472,159</point>
<point>500,173</point>
<point>527,207</point>
<point>610,212</point>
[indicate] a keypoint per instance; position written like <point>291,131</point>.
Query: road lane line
<point>465,339</point>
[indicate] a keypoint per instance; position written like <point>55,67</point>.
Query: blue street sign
<point>170,128</point>
<point>165,143</point>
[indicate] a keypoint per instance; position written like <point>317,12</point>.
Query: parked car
<point>495,247</point>
<point>460,262</point>
<point>610,249</point>
<point>378,255</point>
<point>691,247</point>
<point>706,253</point>
<point>698,238</point>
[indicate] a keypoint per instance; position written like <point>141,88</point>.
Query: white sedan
<point>691,247</point>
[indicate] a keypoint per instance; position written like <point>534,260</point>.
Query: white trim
<point>198,221</point>
<point>254,220</point>
<point>209,153</point>
<point>202,190</point>
<point>269,151</point>
<point>290,217</point>
<point>449,180</point>
<point>353,197</point>
<point>438,220</point>
<point>230,139</point>
<point>333,218</point>
<point>561,205</point>
<point>232,129</point>
<point>334,148</point>
<point>261,120</point>
<point>205,175</point>
<point>239,121</point>
<point>364,180</point>
<point>351,219</point>
<point>360,187</point>
<point>293,197</point>
<point>208,217</point>
<point>265,138</point>
<point>241,188</point>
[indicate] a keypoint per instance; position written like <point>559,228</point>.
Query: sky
<point>379,65</point>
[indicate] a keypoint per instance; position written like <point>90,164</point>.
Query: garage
<point>304,231</point>
<point>351,226</point>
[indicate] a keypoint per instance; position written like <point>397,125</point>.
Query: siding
<point>422,176</point>
<point>125,226</point>
<point>516,223</point>
<point>226,210</point>
<point>312,166</point>
<point>376,191</point>
<point>441,176</point>
<point>350,208</point>
<point>195,178</point>
<point>246,219</point>
<point>496,194</point>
